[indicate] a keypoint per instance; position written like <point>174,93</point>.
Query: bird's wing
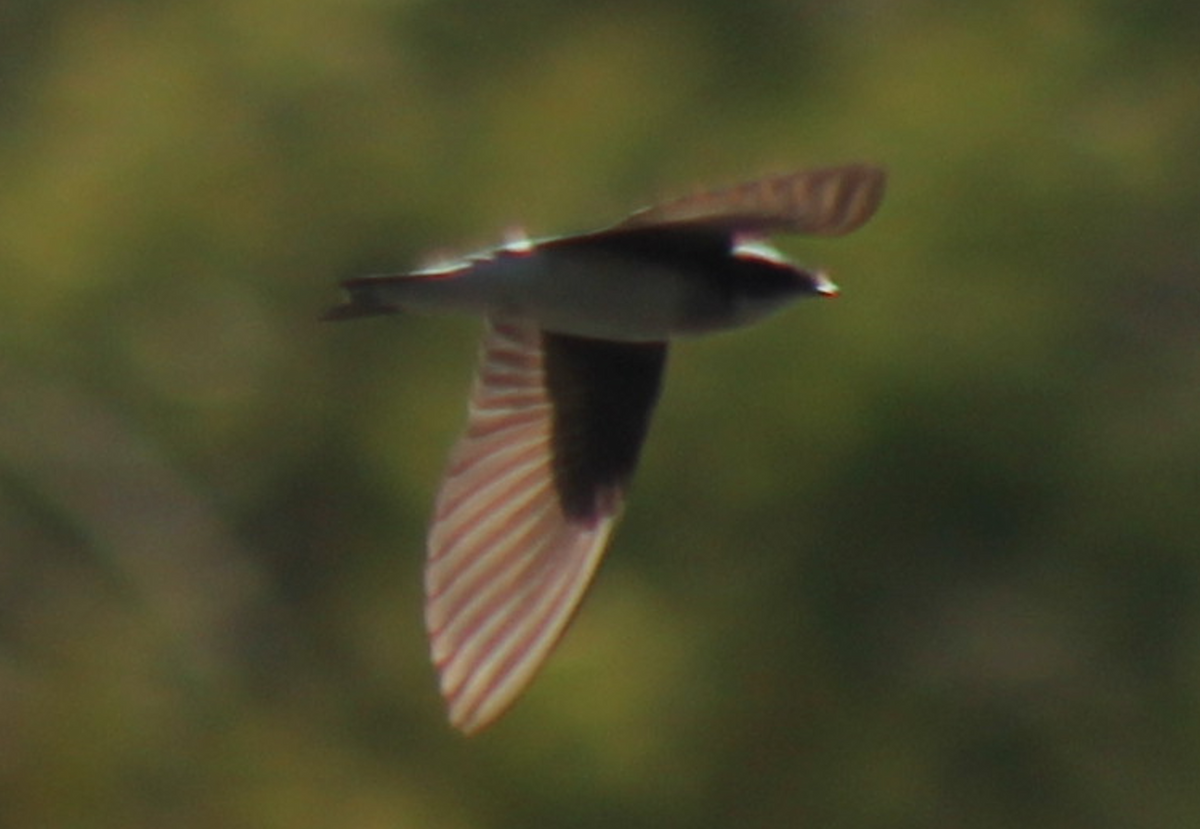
<point>533,489</point>
<point>824,202</point>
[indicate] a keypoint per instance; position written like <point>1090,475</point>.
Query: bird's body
<point>639,285</point>
<point>570,372</point>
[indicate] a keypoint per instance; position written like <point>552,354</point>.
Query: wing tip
<point>471,719</point>
<point>859,194</point>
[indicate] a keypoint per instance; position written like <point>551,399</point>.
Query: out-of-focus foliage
<point>927,556</point>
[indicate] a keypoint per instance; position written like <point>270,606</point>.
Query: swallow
<point>577,330</point>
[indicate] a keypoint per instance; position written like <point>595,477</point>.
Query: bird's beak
<point>824,285</point>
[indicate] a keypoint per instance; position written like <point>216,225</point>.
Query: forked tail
<point>361,301</point>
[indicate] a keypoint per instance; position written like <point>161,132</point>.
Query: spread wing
<point>825,202</point>
<point>532,492</point>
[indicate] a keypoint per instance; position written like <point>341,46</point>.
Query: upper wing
<point>823,202</point>
<point>526,508</point>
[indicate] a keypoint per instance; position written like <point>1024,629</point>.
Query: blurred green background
<point>926,556</point>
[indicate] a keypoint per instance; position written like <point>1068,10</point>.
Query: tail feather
<point>361,301</point>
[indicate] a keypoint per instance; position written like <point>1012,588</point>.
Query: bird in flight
<point>571,365</point>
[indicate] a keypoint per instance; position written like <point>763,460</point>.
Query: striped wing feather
<point>825,202</point>
<point>506,568</point>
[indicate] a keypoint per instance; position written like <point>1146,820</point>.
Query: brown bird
<point>576,342</point>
